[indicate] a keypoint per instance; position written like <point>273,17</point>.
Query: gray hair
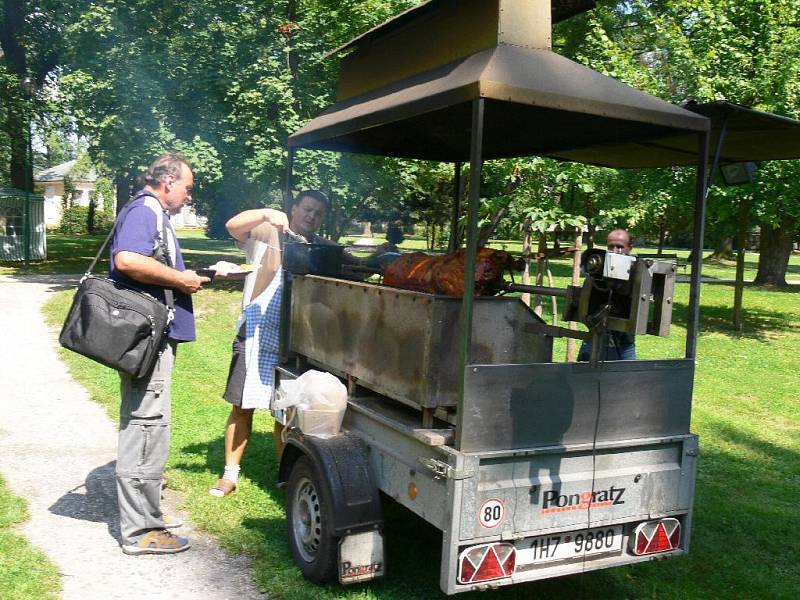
<point>164,166</point>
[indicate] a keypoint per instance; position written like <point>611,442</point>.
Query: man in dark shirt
<point>144,233</point>
<point>619,344</point>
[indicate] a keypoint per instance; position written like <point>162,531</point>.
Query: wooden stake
<point>576,274</point>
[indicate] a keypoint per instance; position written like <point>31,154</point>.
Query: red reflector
<point>653,537</point>
<point>675,537</point>
<point>660,541</point>
<point>510,563</point>
<point>467,571</point>
<point>490,568</point>
<point>641,542</point>
<point>487,562</point>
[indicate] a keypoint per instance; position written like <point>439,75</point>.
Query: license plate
<point>571,544</point>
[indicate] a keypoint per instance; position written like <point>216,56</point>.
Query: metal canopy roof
<point>538,103</point>
<point>561,10</point>
<point>751,135</point>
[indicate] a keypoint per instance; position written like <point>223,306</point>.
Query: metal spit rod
<point>535,289</point>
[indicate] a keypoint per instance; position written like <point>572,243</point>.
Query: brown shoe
<point>158,541</point>
<point>222,488</point>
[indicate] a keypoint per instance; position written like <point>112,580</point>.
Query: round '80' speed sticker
<point>491,513</point>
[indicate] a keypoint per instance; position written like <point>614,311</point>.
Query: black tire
<point>314,547</point>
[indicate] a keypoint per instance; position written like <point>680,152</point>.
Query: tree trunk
<point>774,252</point>
<point>488,230</point>
<point>662,234</point>
<point>18,136</point>
<point>15,59</point>
<point>123,184</point>
<point>292,60</point>
<point>724,248</point>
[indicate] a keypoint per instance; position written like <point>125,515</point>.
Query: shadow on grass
<point>260,462</point>
<point>765,462</point>
<point>759,324</point>
<point>746,504</point>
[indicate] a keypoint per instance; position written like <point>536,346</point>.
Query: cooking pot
<point>313,259</point>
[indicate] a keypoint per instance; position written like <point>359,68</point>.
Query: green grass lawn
<point>25,572</point>
<point>74,253</point>
<point>745,410</point>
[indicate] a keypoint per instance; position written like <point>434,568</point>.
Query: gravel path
<point>58,450</point>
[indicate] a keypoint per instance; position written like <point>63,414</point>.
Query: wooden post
<point>526,255</point>
<point>553,300</point>
<point>540,268</point>
<point>576,277</point>
<point>741,243</point>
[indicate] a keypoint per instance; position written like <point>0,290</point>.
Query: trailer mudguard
<point>342,465</point>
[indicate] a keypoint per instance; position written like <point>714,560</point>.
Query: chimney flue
<point>526,23</point>
<point>441,32</point>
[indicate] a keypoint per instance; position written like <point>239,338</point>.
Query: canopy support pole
<point>287,190</point>
<point>717,155</point>
<point>458,200</point>
<point>701,192</point>
<point>286,303</point>
<point>467,303</point>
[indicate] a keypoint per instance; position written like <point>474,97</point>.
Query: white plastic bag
<point>319,400</point>
<point>313,389</point>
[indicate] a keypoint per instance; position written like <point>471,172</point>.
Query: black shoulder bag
<point>115,324</point>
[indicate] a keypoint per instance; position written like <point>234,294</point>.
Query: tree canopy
<point>226,81</point>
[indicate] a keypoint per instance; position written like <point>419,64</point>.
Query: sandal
<point>222,488</point>
<point>158,541</point>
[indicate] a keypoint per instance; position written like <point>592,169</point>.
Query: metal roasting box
<point>404,344</point>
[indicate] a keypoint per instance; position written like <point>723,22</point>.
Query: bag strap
<point>99,252</point>
<point>161,254</point>
<point>164,256</point>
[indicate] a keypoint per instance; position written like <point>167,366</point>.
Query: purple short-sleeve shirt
<point>137,231</point>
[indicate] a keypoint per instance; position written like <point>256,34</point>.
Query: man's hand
<point>146,269</point>
<point>240,226</point>
<point>276,218</point>
<point>190,282</point>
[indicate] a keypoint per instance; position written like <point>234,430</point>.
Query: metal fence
<point>22,231</point>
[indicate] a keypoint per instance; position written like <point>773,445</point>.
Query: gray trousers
<point>144,439</point>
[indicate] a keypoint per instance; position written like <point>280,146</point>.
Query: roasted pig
<point>444,274</point>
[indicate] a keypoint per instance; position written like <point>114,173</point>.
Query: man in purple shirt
<point>145,253</point>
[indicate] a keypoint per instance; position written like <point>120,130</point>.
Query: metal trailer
<point>530,468</point>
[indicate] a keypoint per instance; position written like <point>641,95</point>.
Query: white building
<point>50,184</point>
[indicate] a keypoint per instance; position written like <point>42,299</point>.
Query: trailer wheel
<point>314,547</point>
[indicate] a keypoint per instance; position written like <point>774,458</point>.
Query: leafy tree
<point>30,40</point>
<point>226,81</point>
<point>706,50</point>
<point>428,196</point>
